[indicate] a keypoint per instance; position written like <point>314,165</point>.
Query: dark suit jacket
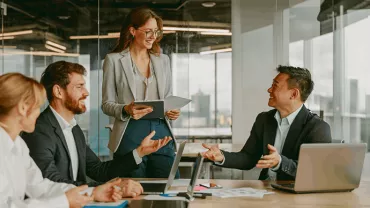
<point>306,128</point>
<point>49,150</point>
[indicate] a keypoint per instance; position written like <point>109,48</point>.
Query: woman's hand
<point>137,111</point>
<point>173,114</point>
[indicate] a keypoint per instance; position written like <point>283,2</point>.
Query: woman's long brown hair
<point>137,18</point>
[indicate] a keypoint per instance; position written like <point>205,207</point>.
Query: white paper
<point>238,192</point>
<point>158,197</point>
<point>174,102</point>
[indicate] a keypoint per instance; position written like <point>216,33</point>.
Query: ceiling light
<point>215,33</point>
<point>91,37</point>
<point>192,29</point>
<point>56,45</point>
<point>216,51</point>
<point>209,4</point>
<point>24,32</point>
<point>39,53</point>
<point>9,47</point>
<point>7,38</point>
<point>53,49</point>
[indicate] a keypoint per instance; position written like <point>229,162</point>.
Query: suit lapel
<point>270,132</point>
<point>295,130</point>
<point>58,131</point>
<point>127,68</point>
<point>158,69</point>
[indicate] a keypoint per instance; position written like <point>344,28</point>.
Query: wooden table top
<point>359,197</point>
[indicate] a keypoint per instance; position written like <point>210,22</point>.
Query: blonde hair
<point>16,88</point>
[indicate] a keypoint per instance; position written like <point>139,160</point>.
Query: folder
<point>118,204</point>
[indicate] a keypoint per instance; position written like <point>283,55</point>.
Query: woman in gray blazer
<point>137,71</point>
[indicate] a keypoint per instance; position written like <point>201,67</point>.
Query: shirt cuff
<point>276,168</point>
<point>89,191</point>
<point>137,158</point>
<point>223,161</point>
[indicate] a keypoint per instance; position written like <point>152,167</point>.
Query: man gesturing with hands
<point>277,135</point>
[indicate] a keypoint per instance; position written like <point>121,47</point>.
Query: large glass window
<point>38,33</point>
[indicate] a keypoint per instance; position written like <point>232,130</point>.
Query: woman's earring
<point>133,36</point>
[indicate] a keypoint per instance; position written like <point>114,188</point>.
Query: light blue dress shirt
<point>281,134</point>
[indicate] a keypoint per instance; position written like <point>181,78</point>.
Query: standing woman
<point>20,101</point>
<point>136,70</point>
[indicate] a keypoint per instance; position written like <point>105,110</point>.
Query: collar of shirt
<point>289,119</point>
<point>62,122</point>
<point>9,146</point>
<point>136,70</point>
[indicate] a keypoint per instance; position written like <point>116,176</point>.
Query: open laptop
<point>327,168</point>
<point>168,203</point>
<point>162,187</point>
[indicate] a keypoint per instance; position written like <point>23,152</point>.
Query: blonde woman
<point>20,101</point>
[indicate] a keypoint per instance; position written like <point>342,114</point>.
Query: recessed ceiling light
<point>208,4</point>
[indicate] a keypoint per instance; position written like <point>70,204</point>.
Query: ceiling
<point>57,20</point>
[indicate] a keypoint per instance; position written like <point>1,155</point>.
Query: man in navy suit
<point>277,135</point>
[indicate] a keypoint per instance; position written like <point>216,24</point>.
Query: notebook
<point>119,204</point>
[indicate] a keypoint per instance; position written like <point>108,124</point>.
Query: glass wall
<point>331,38</point>
<point>38,33</point>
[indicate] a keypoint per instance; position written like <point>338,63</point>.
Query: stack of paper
<point>238,192</point>
<point>119,204</point>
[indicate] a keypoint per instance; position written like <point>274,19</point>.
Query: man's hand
<point>173,114</point>
<point>130,188</point>
<point>213,153</point>
<point>148,146</point>
<point>75,199</point>
<point>108,192</point>
<point>271,160</point>
<point>137,111</point>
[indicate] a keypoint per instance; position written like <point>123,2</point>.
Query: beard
<point>74,105</point>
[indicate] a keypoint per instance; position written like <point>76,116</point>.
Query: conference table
<point>359,197</point>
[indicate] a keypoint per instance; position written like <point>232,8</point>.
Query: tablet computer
<point>157,105</point>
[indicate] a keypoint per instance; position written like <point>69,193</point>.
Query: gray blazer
<point>119,89</point>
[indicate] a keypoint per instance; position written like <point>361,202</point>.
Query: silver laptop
<point>152,187</point>
<point>168,203</point>
<point>327,168</point>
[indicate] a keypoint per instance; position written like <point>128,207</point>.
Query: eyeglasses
<point>150,33</point>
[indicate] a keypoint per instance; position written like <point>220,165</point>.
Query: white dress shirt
<point>19,175</point>
<point>68,135</point>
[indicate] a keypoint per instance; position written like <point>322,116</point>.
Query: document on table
<point>238,192</point>
<point>174,102</point>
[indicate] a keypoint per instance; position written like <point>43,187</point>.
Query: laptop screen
<point>195,174</point>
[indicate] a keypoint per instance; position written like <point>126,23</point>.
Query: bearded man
<point>58,144</point>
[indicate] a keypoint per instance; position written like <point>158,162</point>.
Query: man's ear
<point>57,91</point>
<point>295,94</point>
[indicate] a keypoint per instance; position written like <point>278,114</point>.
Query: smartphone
<point>211,185</point>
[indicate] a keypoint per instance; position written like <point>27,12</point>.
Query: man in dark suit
<point>58,144</point>
<point>277,135</point>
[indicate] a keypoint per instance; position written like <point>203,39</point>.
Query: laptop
<point>327,168</point>
<point>152,187</point>
<point>168,203</point>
